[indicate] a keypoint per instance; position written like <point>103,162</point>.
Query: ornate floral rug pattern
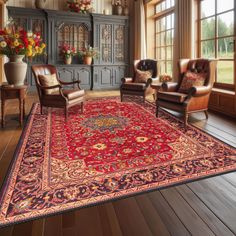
<point>110,151</point>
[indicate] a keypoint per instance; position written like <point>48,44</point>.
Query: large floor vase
<point>15,70</point>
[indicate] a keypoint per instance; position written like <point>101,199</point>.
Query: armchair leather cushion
<point>191,79</point>
<point>47,81</point>
<point>73,93</point>
<point>172,96</point>
<point>134,86</point>
<point>142,76</point>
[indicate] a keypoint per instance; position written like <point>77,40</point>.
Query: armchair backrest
<point>207,66</point>
<point>42,70</point>
<point>147,64</point>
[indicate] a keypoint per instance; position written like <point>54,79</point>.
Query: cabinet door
<point>66,75</point>
<point>102,77</point>
<point>118,73</point>
<point>106,44</point>
<point>84,75</point>
<point>106,77</point>
<point>119,43</point>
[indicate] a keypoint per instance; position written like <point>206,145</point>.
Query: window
<point>217,23</point>
<point>164,34</point>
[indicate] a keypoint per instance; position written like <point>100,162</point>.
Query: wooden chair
<point>196,98</point>
<point>64,98</point>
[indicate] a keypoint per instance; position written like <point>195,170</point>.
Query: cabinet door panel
<point>118,73</point>
<point>106,77</point>
<point>84,75</point>
<point>106,46</point>
<point>66,75</point>
<point>119,43</point>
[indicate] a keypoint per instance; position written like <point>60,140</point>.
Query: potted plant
<point>67,52</point>
<point>88,54</point>
<point>16,44</point>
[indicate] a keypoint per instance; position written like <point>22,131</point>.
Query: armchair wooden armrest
<point>169,87</point>
<point>155,80</point>
<point>126,80</point>
<point>69,83</point>
<point>199,91</point>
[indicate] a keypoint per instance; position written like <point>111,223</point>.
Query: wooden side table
<point>13,92</point>
<point>156,87</point>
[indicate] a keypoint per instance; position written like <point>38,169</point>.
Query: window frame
<point>156,17</point>
<point>215,38</point>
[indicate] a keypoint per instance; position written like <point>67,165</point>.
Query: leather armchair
<point>196,98</point>
<point>64,98</point>
<point>130,87</point>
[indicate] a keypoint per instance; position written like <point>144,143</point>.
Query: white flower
<point>68,52</point>
<point>29,34</point>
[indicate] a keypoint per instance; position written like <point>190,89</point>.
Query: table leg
<point>21,111</point>
<point>23,108</point>
<point>3,113</point>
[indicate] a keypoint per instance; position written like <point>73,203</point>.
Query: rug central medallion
<point>105,122</point>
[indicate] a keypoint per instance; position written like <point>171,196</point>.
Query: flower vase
<point>88,60</point>
<point>40,4</point>
<point>68,60</point>
<point>15,70</point>
<point>118,10</point>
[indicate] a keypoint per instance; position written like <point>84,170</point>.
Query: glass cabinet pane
<point>106,43</point>
<point>119,43</point>
<point>75,35</point>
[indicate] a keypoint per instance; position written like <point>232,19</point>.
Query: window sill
<point>223,91</point>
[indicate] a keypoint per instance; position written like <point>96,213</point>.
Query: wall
<point>99,5</point>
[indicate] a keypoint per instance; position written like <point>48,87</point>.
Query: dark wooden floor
<point>205,207</point>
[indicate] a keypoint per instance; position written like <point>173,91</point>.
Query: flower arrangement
<point>67,51</point>
<point>117,3</point>
<point>80,6</point>
<point>20,42</point>
<point>89,52</point>
<point>165,78</point>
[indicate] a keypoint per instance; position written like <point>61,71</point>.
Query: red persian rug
<point>111,151</point>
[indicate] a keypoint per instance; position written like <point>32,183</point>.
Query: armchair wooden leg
<point>206,114</point>
<point>154,97</point>
<point>82,107</point>
<point>121,97</point>
<point>144,98</point>
<point>157,111</point>
<point>185,120</point>
<point>41,109</point>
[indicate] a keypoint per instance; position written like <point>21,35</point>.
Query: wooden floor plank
<point>104,219</point>
<point>219,196</point>
<point>68,220</point>
<point>216,225</point>
<point>38,227</point>
<point>6,231</point>
<point>131,218</point>
<point>24,229</point>
<point>152,217</point>
<point>231,178</point>
<point>168,216</point>
<point>53,226</point>
<point>186,213</point>
<point>88,222</point>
